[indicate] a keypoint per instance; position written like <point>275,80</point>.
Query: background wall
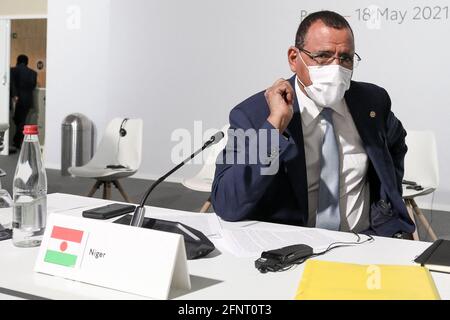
<point>174,62</point>
<point>23,7</point>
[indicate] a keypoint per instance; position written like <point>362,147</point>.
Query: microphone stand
<point>139,213</point>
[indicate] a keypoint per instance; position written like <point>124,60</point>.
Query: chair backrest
<point>421,161</point>
<point>3,128</point>
<point>209,168</point>
<point>115,149</point>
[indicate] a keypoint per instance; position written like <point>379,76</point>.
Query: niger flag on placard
<point>64,246</point>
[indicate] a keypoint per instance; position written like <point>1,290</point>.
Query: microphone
<point>139,213</point>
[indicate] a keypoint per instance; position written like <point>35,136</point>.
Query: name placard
<point>134,260</point>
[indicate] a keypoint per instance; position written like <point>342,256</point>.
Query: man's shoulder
<point>252,102</point>
<point>366,88</point>
<point>24,70</point>
<point>368,95</point>
<point>254,107</point>
<point>257,104</point>
<point>31,71</point>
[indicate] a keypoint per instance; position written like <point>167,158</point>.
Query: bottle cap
<point>30,129</point>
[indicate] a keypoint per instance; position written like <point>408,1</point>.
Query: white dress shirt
<point>354,187</point>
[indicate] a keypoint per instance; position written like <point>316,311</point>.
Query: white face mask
<point>329,83</point>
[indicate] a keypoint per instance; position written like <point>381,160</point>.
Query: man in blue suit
<point>332,156</point>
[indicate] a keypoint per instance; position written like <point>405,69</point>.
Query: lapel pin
<point>372,114</point>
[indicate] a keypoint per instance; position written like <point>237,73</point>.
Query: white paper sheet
<point>252,242</point>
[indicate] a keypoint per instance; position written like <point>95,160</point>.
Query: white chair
<point>203,180</point>
<point>121,144</point>
<point>421,167</point>
<point>3,128</point>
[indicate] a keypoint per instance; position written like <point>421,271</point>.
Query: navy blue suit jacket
<point>241,192</point>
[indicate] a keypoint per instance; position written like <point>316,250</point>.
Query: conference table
<point>220,275</point>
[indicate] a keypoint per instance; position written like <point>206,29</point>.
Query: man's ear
<point>298,66</point>
<point>293,58</point>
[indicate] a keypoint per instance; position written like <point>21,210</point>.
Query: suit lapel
<point>296,167</point>
<point>370,133</point>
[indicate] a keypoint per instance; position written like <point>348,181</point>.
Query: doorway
<point>23,37</point>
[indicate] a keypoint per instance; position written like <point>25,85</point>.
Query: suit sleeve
<point>395,134</point>
<point>239,185</point>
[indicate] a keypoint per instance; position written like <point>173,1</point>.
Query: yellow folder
<point>324,280</point>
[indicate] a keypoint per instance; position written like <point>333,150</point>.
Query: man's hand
<point>280,98</point>
<point>15,99</point>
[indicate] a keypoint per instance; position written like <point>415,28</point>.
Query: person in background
<point>23,82</point>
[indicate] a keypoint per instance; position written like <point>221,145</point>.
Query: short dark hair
<point>22,59</point>
<point>329,18</point>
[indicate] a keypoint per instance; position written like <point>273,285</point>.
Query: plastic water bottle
<point>29,193</point>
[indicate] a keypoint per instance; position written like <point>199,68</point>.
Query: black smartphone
<point>109,211</point>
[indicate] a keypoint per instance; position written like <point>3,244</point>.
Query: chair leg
<point>121,190</point>
<point>107,190</point>
<point>423,220</point>
<point>206,206</point>
<point>411,215</point>
<point>94,188</point>
<point>104,191</point>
